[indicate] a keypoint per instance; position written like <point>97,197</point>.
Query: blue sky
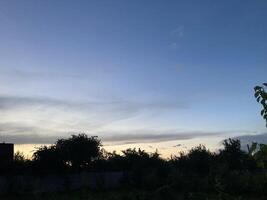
<point>156,70</point>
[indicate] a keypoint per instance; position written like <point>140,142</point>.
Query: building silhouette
<point>6,155</point>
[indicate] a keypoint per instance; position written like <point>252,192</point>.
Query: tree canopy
<point>75,152</point>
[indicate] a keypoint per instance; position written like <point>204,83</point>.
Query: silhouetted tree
<point>197,160</point>
<point>233,157</point>
<point>144,169</point>
<point>261,96</point>
<point>259,153</point>
<point>79,150</point>
<point>75,153</point>
<point>197,174</point>
<point>48,159</point>
<point>21,165</point>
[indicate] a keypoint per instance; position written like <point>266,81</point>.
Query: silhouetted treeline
<point>230,172</point>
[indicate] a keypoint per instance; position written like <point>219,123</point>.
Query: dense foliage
<point>197,174</point>
<point>261,96</point>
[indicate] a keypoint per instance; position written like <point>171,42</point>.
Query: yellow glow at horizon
<point>165,149</point>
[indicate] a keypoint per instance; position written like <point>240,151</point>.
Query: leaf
<point>264,95</point>
<point>258,99</point>
<point>257,88</point>
<point>262,112</point>
<point>256,94</point>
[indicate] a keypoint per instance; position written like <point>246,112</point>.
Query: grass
<point>86,194</point>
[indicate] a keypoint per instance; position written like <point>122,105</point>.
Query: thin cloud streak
<point>80,115</point>
<point>148,136</point>
<point>32,75</point>
<point>29,139</point>
<point>7,102</point>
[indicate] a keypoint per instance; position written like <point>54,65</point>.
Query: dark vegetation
<point>261,96</point>
<point>230,173</point>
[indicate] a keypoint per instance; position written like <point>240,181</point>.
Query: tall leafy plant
<point>261,97</point>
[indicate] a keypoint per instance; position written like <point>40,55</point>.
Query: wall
<point>53,183</point>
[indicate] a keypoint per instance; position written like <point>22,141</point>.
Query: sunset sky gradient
<point>151,74</point>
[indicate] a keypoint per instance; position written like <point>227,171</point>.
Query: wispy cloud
<point>152,136</point>
<point>179,31</point>
<point>34,118</point>
<point>177,35</point>
<point>19,74</point>
<point>20,134</point>
<point>27,120</point>
<point>32,75</point>
<point>11,102</point>
<point>29,139</point>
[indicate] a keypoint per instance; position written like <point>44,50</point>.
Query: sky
<point>163,75</point>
